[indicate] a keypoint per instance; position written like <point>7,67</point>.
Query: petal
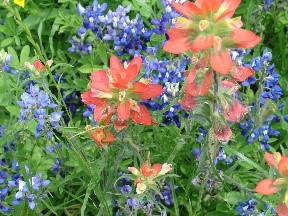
<point>123,110</point>
<point>99,76</point>
<point>38,65</point>
<point>187,102</point>
<point>208,6</point>
<point>141,117</point>
<point>138,62</point>
<point>183,9</point>
<point>130,73</point>
<point>242,73</point>
<point>88,99</point>
<point>282,209</point>
<point>207,81</point>
<point>202,43</point>
<point>221,62</point>
<point>235,112</point>
<point>100,81</point>
<point>270,159</point>
<point>165,168</point>
<point>244,38</point>
<point>115,63</point>
<point>266,187</point>
<point>102,136</point>
<point>177,46</point>
<point>194,9</point>
<point>223,133</point>
<point>146,170</point>
<point>109,137</point>
<point>154,90</point>
<point>176,33</point>
<point>98,111</point>
<point>227,9</point>
<point>283,166</point>
<point>139,87</point>
<point>156,168</point>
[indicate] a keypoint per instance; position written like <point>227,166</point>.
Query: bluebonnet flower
<point>36,190</point>
<point>267,4</point>
<point>250,127</point>
<point>167,17</point>
<point>246,208</point>
<point>169,73</point>
<point>221,156</point>
<point>196,153</point>
<point>127,36</point>
<point>57,167</point>
<point>34,104</point>
<point>5,62</point>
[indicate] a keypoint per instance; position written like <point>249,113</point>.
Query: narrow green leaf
<point>7,41</point>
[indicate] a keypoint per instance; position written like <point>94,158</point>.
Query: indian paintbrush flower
<point>272,185</point>
<point>146,175</point>
<point>115,91</point>
<point>208,25</point>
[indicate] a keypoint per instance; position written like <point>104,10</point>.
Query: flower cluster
<point>170,74</point>
<point>147,174</point>
<point>5,61</point>
<point>270,90</point>
<point>167,17</point>
<point>115,91</point>
<point>246,208</point>
<point>127,36</point>
<point>209,32</point>
<point>272,185</point>
<point>35,190</point>
<point>34,104</point>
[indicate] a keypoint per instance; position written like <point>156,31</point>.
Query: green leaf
<point>7,41</point>
<point>89,68</point>
<point>13,110</point>
<point>24,56</point>
<point>15,59</point>
<point>146,11</point>
<point>233,197</point>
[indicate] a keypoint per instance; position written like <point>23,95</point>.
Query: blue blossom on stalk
<point>246,208</point>
<point>167,17</point>
<point>5,62</point>
<point>36,190</point>
<point>126,35</point>
<point>170,74</point>
<point>34,104</point>
<point>271,90</point>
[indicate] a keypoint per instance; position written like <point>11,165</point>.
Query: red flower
<point>196,86</point>
<point>38,65</point>
<point>234,111</point>
<point>115,91</point>
<point>102,137</point>
<point>208,25</point>
<point>223,133</point>
<point>270,186</point>
<point>282,209</point>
